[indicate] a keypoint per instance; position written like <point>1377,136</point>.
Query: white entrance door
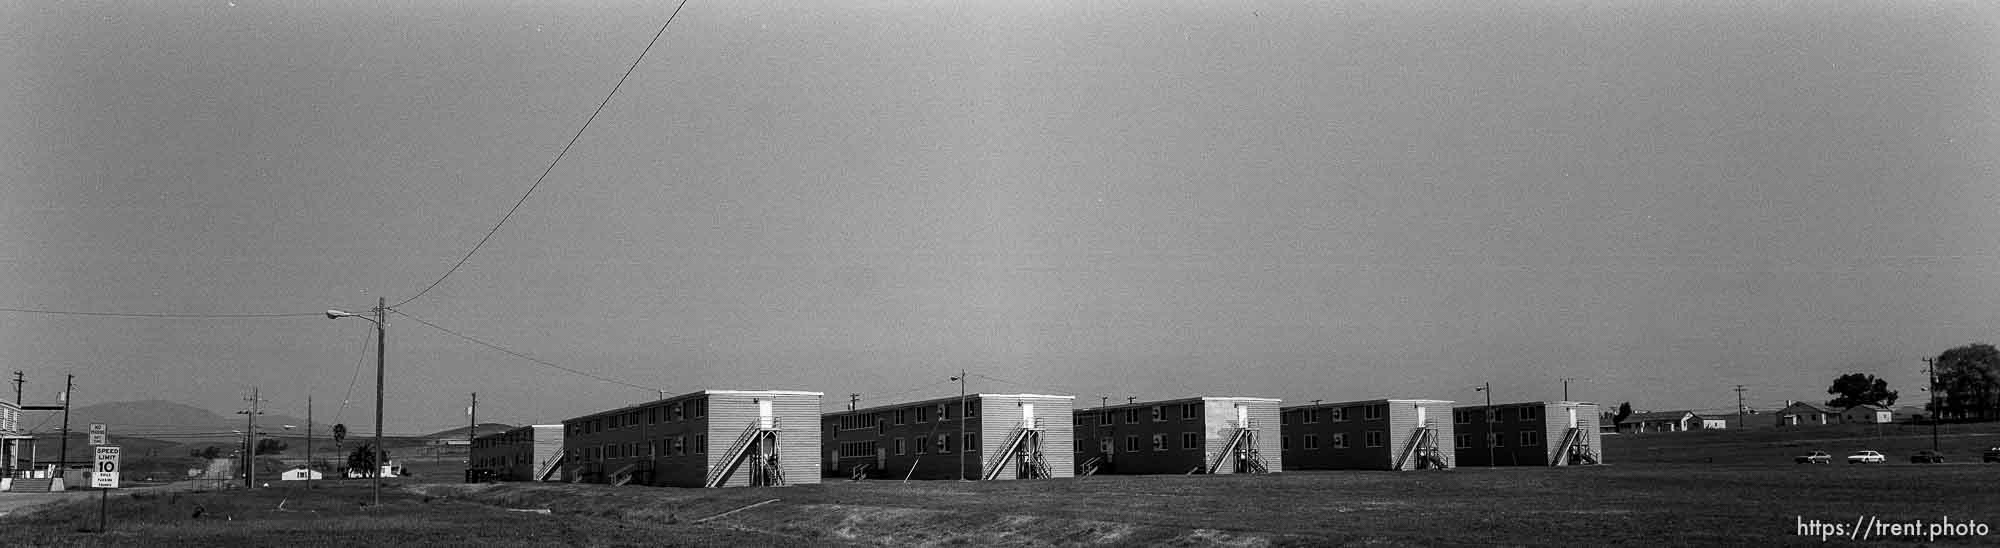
<point>1028,415</point>
<point>1242,416</point>
<point>763,413</point>
<point>1421,421</point>
<point>1572,417</point>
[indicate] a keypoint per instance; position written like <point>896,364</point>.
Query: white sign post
<point>105,475</point>
<point>97,439</point>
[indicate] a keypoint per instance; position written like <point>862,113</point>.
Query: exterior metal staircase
<point>624,474</point>
<point>1089,467</point>
<point>1023,446</point>
<point>32,485</point>
<point>1575,449</point>
<point>548,467</point>
<point>1242,444</point>
<point>763,467</point>
<point>1423,448</point>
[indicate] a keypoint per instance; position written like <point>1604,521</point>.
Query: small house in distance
<point>1867,414</point>
<point>1661,421</point>
<point>1208,434</point>
<point>1555,433</point>
<point>711,438</point>
<point>527,453</point>
<point>1800,413</point>
<point>976,436</point>
<point>1385,434</point>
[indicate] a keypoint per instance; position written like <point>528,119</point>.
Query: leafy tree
<point>270,446</point>
<point>363,459</point>
<point>1968,383</point>
<point>211,452</point>
<point>1624,410</point>
<point>1860,389</point>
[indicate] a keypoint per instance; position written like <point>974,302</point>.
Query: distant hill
<point>164,420</point>
<point>485,428</point>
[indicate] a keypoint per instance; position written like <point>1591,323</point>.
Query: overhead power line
<point>158,315</point>
<point>552,163</point>
<point>523,356</point>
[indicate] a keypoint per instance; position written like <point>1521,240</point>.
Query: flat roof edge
<point>772,392</point>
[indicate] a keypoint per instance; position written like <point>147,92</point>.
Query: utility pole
<point>381,362</point>
<point>18,380</point>
<point>250,438</point>
<point>1129,400</point>
<point>1741,407</point>
<point>1103,402</point>
<point>853,400</point>
<point>309,441</point>
<point>1930,368</point>
<point>62,458</point>
<point>471,433</point>
<point>1566,381</point>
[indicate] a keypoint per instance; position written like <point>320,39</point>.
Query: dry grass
<point>1751,495</point>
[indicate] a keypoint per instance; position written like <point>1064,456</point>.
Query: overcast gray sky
<point>1305,200</point>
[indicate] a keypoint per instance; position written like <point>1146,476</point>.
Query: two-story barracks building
<point>1542,433</point>
<point>1384,434</point>
<point>711,438</point>
<point>1209,435</point>
<point>977,436</point>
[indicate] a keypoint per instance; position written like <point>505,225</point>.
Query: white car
<point>1866,456</point>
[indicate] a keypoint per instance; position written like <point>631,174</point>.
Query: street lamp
<point>1487,415</point>
<point>380,320</point>
<point>962,428</point>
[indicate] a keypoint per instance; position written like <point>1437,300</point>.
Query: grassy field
<point>1703,488</point>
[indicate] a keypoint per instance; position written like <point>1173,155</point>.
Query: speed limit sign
<point>106,473</point>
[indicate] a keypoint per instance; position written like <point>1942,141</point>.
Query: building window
<point>1159,442</point>
<point>1076,420</point>
<point>971,408</point>
<point>1374,412</point>
<point>1311,442</point>
<point>701,408</point>
<point>1190,410</point>
<point>652,415</point>
<point>1461,417</point>
<point>1076,446</point>
<point>902,416</point>
<point>1132,415</point>
<point>971,443</point>
<point>1339,441</point>
<point>944,411</point>
<point>899,446</point>
<point>944,443</point>
<point>1285,443</point>
<point>680,445</point>
<point>1494,440</point>
<point>923,445</point>
<point>1131,444</point>
<point>923,414</point>
<point>1189,440</point>
<point>700,444</point>
<point>1312,416</point>
<point>1105,418</point>
<point>1531,413</point>
<point>1531,438</point>
<point>1375,438</point>
<point>1464,441</point>
<point>675,411</point>
<point>1339,414</point>
<point>1285,418</point>
<point>1159,413</point>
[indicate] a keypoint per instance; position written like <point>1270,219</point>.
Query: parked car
<point>1816,457</point>
<point>1866,456</point>
<point>1992,455</point>
<point>1927,457</point>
